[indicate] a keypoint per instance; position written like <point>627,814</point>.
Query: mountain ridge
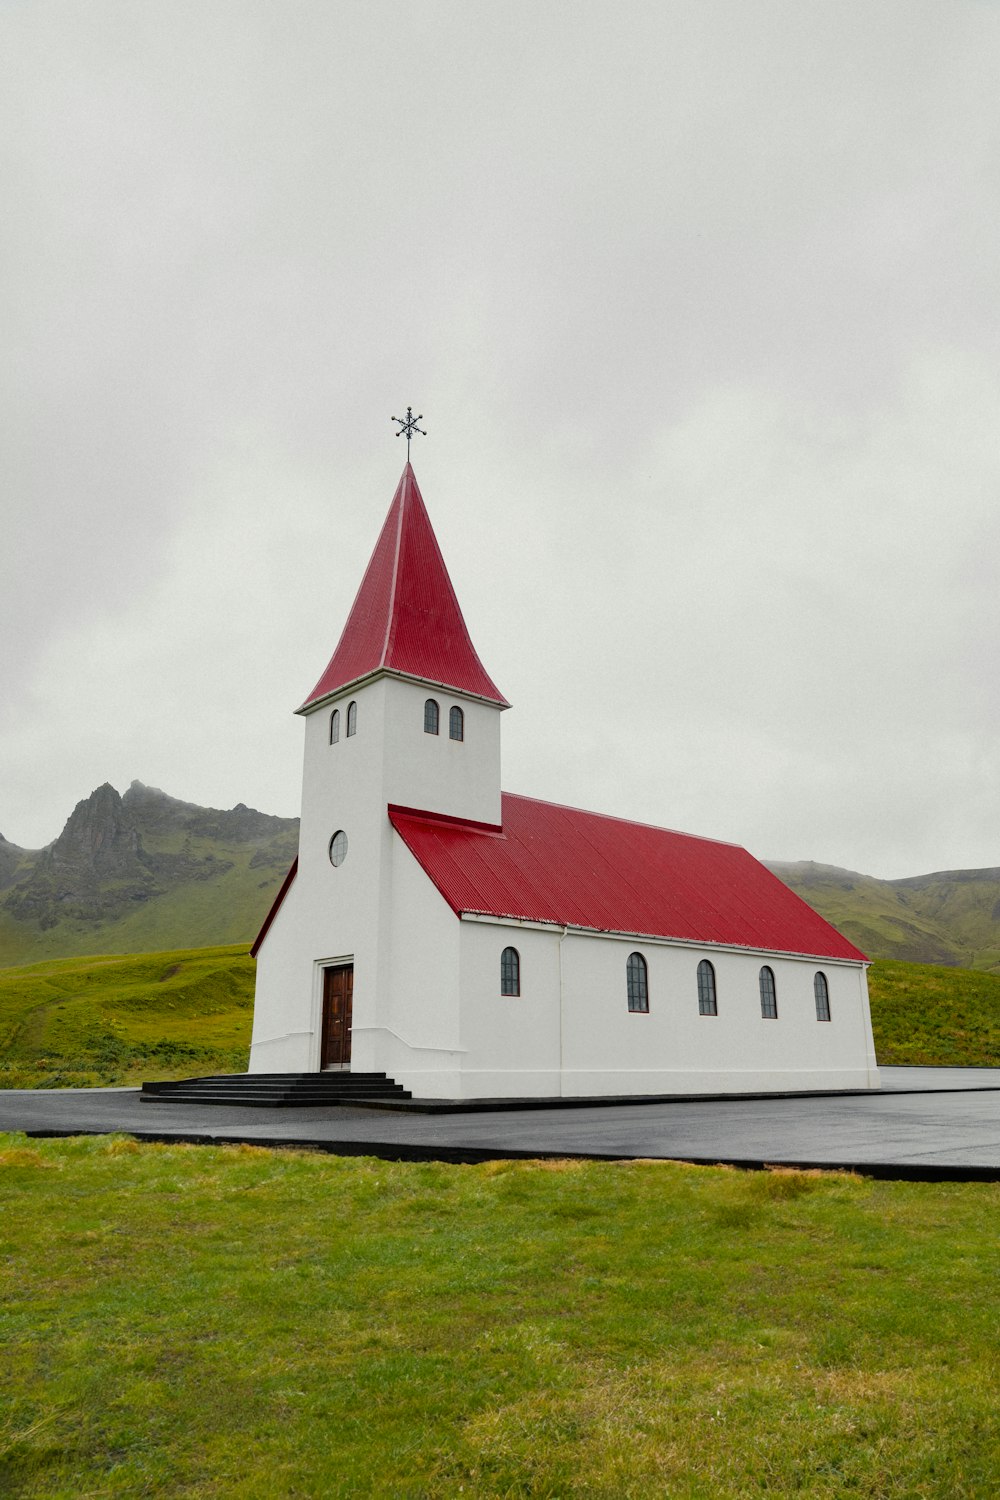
<point>135,871</point>
<point>143,871</point>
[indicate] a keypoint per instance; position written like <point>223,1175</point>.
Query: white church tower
<point>405,716</point>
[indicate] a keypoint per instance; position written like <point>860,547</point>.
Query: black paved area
<point>947,1128</point>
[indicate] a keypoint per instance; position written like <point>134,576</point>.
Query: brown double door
<point>338,993</point>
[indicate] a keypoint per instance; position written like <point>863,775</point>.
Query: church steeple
<point>406,620</point>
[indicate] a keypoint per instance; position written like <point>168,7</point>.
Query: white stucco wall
<point>416,1035</point>
<point>581,1040</point>
<point>283,1039</point>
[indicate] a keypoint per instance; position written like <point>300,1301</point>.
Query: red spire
<point>406,618</point>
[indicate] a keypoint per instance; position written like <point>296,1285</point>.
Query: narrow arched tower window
<point>822,992</point>
<point>510,972</point>
<point>636,984</point>
<point>456,724</point>
<point>335,726</point>
<point>706,989</point>
<point>768,995</point>
<point>352,719</point>
<point>430,717</point>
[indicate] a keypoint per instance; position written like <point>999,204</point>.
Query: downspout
<point>562,939</point>
<point>871,1058</point>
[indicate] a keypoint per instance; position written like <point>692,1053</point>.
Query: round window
<point>338,847</point>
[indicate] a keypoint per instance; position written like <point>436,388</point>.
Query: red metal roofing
<point>406,617</point>
<point>549,863</point>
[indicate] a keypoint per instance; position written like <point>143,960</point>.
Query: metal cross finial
<point>408,426</point>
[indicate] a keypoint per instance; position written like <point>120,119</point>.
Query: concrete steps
<point>275,1090</point>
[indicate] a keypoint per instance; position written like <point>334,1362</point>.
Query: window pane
<point>338,847</point>
<point>706,989</point>
<point>456,724</point>
<point>822,992</point>
<point>768,995</point>
<point>510,972</point>
<point>635,983</point>
<point>430,717</point>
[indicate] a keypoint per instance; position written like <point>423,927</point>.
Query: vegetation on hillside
<point>951,917</point>
<point>925,1016</point>
<point>75,1023</point>
<point>220,1322</point>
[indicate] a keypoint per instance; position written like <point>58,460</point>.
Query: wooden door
<point>338,994</point>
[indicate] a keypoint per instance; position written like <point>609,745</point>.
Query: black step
<point>274,1090</point>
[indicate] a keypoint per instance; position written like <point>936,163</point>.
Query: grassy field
<point>923,1015</point>
<point>77,1022</point>
<point>235,1322</point>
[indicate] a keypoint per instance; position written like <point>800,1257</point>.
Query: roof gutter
<point>655,939</point>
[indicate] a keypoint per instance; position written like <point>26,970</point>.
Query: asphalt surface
<point>925,1123</point>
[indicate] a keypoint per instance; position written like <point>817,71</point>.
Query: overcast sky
<point>700,303</point>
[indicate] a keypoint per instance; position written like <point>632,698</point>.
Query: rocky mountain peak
<point>96,867</point>
<point>100,838</point>
<point>117,855</point>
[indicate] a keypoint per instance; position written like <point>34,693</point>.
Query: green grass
<point>234,1322</point>
<point>76,1022</point>
<point>926,1016</point>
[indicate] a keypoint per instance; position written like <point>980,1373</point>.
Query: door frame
<point>320,966</point>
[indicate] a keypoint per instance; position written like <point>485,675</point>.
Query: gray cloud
<point>700,303</point>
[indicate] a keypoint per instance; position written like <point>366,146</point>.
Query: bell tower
<point>404,714</point>
<point>433,725</point>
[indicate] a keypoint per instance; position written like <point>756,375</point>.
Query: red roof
<point>549,863</point>
<point>406,618</point>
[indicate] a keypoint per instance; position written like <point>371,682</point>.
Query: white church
<point>473,944</point>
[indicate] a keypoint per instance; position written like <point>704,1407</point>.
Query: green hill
<point>927,1016</point>
<point>77,1022</point>
<point>951,917</point>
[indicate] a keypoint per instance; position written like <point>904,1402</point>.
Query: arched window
<point>706,989</point>
<point>510,972</point>
<point>822,992</point>
<point>352,719</point>
<point>456,724</point>
<point>768,995</point>
<point>430,717</point>
<point>635,983</point>
<point>335,726</point>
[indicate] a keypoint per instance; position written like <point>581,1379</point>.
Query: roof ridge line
<point>702,838</point>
